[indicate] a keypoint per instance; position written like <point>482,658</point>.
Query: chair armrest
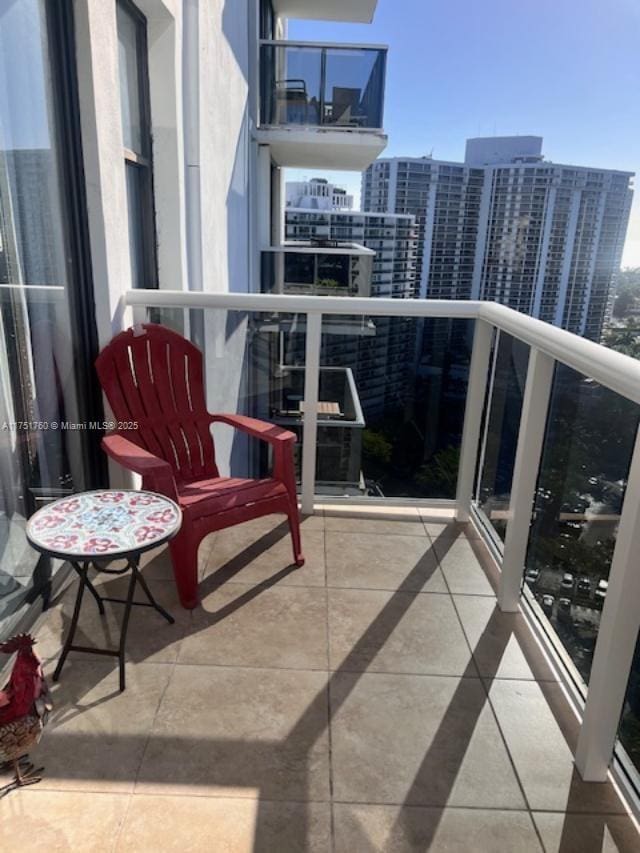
<point>263,430</point>
<point>157,474</point>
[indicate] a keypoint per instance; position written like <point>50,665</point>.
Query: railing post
<point>139,314</point>
<point>533,420</point>
<point>617,636</point>
<point>476,391</point>
<point>310,417</point>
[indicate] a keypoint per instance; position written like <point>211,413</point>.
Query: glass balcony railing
<point>321,85</point>
<point>317,269</point>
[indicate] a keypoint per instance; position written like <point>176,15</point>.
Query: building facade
<point>317,194</point>
<point>509,226</point>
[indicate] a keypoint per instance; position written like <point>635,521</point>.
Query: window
<point>136,138</point>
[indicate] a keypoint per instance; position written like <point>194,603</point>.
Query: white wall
<point>202,57</point>
<point>99,92</point>
<point>224,144</point>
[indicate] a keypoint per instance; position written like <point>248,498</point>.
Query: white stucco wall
<point>227,172</point>
<point>99,92</point>
<point>224,144</point>
<point>202,59</point>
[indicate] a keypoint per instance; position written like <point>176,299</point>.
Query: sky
<point>567,70</point>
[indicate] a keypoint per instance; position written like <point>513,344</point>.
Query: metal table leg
<point>82,572</point>
<point>136,578</point>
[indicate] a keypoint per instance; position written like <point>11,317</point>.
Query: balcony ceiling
<point>304,148</point>
<point>355,11</point>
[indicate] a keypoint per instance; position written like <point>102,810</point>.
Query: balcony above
<point>336,269</point>
<point>338,405</point>
<point>351,11</point>
<point>321,105</point>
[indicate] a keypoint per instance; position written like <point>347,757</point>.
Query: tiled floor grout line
<point>328,692</point>
<point>118,833</point>
<point>153,721</point>
<point>35,792</point>
<point>494,714</point>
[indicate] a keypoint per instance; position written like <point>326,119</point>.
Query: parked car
<point>584,586</point>
<point>567,581</point>
<point>547,603</point>
<point>532,575</point>
<point>601,589</point>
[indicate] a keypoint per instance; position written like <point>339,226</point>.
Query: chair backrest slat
<point>154,376</point>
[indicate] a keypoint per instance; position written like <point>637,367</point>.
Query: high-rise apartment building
<point>509,226</point>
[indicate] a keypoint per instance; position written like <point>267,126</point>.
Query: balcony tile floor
<point>374,700</point>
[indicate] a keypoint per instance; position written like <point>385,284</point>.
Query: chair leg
<point>294,527</point>
<point>184,557</point>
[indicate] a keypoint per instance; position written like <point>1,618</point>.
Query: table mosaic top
<point>104,523</point>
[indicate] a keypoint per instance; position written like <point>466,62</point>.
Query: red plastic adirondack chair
<point>153,376</point>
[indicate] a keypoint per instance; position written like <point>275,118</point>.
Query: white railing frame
<point>476,393</point>
<point>620,621</point>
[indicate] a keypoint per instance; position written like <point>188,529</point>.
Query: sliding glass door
<point>47,331</point>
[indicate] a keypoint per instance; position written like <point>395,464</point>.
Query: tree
<point>439,475</point>
<point>624,339</point>
<point>376,446</point>
<point>627,293</point>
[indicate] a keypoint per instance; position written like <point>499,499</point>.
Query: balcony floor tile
<point>45,821</point>
<point>261,550</point>
<point>368,829</point>
<point>239,625</point>
<point>461,564</point>
<point>561,833</point>
<point>226,825</point>
<point>366,561</point>
<point>404,632</point>
<point>502,644</point>
<point>539,742</point>
<point>418,740</point>
<point>223,731</point>
<point>96,736</point>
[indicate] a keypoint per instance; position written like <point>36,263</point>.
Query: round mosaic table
<point>105,525</point>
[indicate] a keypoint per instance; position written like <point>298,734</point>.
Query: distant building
<point>317,194</point>
<point>508,226</point>
<point>384,353</point>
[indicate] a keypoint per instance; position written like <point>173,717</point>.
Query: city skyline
<point>441,64</point>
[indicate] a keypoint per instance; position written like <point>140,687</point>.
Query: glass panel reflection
<point>502,422</point>
<point>584,469</point>
<point>402,436</point>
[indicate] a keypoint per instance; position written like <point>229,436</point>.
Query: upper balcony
<point>317,269</point>
<point>347,11</point>
<point>321,105</point>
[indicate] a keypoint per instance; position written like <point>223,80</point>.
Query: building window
<point>136,139</point>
